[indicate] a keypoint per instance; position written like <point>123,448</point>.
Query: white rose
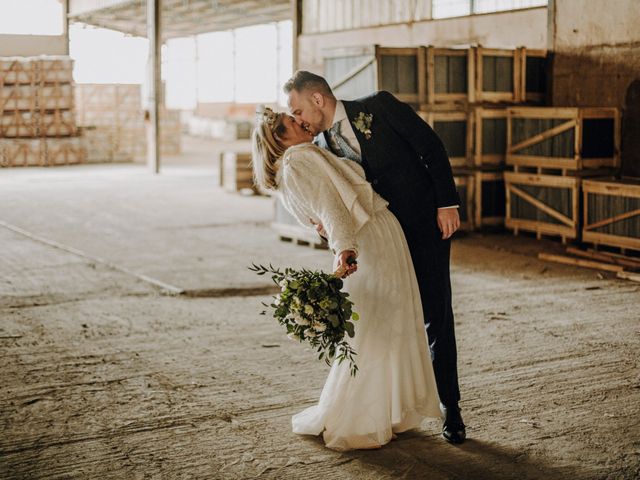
<point>283,283</point>
<point>277,300</point>
<point>308,309</point>
<point>319,327</point>
<point>300,320</point>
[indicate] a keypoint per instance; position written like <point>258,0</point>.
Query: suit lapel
<point>353,108</point>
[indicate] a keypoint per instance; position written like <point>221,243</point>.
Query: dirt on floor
<point>104,376</point>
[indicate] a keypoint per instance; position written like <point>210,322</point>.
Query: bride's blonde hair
<point>267,147</point>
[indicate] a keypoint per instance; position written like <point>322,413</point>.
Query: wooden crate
<point>465,188</point>
<point>54,70</point>
<point>18,152</point>
<point>64,151</point>
<point>498,75</point>
<point>612,212</point>
<point>98,143</point>
<point>533,75</point>
<point>17,124</point>
<point>488,199</point>
<point>450,76</point>
<point>17,97</point>
<point>490,137</point>
<point>18,71</point>
<point>358,71</point>
<point>566,139</point>
<point>455,129</point>
<point>55,97</point>
<point>544,204</point>
<point>402,71</point>
<point>236,173</point>
<point>57,123</point>
<point>96,97</point>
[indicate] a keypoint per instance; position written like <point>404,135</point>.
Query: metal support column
<point>152,119</point>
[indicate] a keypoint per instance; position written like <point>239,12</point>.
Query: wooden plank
<point>540,227</point>
<point>617,187</point>
<point>616,218</point>
<point>544,112</point>
<point>541,206</point>
<point>603,257</point>
<point>634,277</point>
<point>552,132</point>
<point>612,240</point>
<point>579,262</point>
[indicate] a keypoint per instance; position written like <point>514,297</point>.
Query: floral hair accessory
<point>266,115</point>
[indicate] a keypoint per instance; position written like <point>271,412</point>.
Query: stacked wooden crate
<point>37,120</point>
<point>612,212</point>
<point>551,151</point>
<point>463,93</point>
<point>113,121</point>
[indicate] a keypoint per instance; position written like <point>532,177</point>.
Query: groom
<point>406,163</point>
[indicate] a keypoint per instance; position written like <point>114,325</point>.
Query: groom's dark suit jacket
<point>407,164</point>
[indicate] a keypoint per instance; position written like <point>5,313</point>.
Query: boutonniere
<point>363,124</point>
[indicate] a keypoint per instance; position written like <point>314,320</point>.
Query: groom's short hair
<point>303,80</point>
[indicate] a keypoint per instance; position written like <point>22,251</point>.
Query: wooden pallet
<point>543,204</point>
<point>566,139</point>
<point>612,212</point>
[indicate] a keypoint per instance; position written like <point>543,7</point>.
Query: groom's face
<point>307,109</point>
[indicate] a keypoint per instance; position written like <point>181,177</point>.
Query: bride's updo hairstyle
<point>267,147</point>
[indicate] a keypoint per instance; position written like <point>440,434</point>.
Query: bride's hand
<point>343,264</point>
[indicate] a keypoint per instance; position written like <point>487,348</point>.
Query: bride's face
<point>291,133</point>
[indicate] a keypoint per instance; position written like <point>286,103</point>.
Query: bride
<point>394,389</point>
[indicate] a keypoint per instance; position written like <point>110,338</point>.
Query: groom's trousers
<point>430,255</point>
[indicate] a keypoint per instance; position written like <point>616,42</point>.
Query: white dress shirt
<point>346,130</point>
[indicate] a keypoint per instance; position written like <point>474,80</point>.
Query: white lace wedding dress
<point>394,389</point>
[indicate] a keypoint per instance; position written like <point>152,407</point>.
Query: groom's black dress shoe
<point>453,429</point>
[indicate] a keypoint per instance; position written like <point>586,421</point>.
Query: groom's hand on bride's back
<point>448,221</point>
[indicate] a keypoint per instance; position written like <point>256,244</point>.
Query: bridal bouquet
<point>313,308</point>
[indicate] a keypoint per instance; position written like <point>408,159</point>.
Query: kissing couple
<point>375,180</point>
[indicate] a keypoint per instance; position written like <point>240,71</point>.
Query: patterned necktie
<point>343,147</point>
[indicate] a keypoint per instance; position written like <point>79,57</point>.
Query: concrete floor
<point>107,375</point>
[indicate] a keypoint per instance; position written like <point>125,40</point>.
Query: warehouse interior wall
<point>30,45</point>
<point>508,29</point>
<point>596,62</point>
<point>36,43</point>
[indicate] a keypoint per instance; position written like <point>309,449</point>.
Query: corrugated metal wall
<point>331,15</point>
